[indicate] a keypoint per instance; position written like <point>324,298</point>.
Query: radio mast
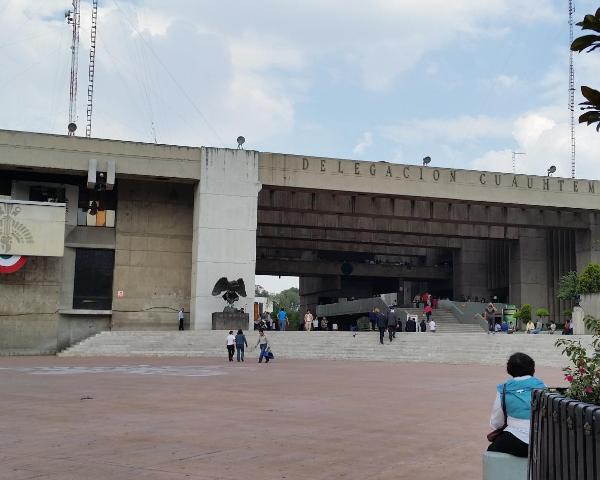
<point>572,88</point>
<point>91,68</point>
<point>73,18</point>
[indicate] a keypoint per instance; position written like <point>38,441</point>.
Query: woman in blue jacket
<point>514,440</point>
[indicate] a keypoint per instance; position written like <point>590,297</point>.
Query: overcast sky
<point>463,81</point>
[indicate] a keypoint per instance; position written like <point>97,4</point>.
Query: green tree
<point>290,300</point>
<point>589,280</point>
<point>590,42</point>
<point>568,286</point>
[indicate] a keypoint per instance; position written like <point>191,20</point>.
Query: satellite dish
<point>240,141</point>
<point>552,169</point>
<point>71,127</point>
<point>426,160</point>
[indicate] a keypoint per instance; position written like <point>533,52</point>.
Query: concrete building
<point>121,235</point>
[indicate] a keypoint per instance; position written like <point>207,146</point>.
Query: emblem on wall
<point>11,263</point>
<point>11,230</point>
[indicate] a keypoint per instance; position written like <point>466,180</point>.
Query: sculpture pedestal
<point>230,321</point>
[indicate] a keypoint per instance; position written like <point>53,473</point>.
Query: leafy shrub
<point>568,286</point>
<point>542,312</point>
<point>589,280</point>
<point>584,373</point>
<point>524,313</point>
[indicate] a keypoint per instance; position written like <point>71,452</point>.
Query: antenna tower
<point>91,68</point>
<point>73,18</point>
<point>572,87</point>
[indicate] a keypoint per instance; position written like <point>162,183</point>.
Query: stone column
<point>528,273</point>
<point>470,269</point>
<point>224,229</point>
<point>587,246</point>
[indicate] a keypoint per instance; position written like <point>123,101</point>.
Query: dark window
<point>93,279</point>
<point>38,193</point>
<point>5,186</point>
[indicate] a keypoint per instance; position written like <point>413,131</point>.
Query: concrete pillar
<point>224,229</point>
<point>587,247</point>
<point>528,273</point>
<point>470,269</point>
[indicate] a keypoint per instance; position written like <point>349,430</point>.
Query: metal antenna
<point>91,68</point>
<point>572,87</point>
<point>514,159</point>
<point>73,19</point>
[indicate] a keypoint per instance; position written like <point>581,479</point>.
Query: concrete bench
<point>501,466</point>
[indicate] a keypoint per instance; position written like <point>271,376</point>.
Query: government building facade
<point>101,234</point>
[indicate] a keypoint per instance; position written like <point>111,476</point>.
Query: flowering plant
<point>584,373</point>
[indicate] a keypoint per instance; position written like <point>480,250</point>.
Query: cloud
<point>365,142</point>
<point>453,130</point>
<point>505,81</point>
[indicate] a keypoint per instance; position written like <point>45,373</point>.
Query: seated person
<point>504,327</point>
<point>568,328</point>
<point>497,327</point>
<point>432,326</point>
<point>411,325</point>
<point>422,326</point>
<point>514,440</point>
<point>552,328</point>
<point>530,327</point>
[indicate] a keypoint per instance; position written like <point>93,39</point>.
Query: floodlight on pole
<point>551,170</point>
<point>240,142</point>
<point>426,161</point>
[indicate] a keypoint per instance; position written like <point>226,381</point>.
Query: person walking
<point>263,343</point>
<point>283,319</point>
<point>181,317</point>
<point>240,344</point>
<point>423,325</point>
<point>373,319</point>
<point>392,320</point>
<point>427,310</point>
<point>324,325</point>
<point>230,345</point>
<point>381,324</point>
<point>308,319</point>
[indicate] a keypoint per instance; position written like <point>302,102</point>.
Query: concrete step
<point>454,348</point>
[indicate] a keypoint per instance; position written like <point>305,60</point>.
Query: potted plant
<point>523,315</point>
<point>565,423</point>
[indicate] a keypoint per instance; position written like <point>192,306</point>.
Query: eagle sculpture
<point>233,290</point>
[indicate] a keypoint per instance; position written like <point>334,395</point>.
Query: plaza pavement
<point>198,418</point>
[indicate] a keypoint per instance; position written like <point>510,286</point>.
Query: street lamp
<point>551,170</point>
<point>426,161</point>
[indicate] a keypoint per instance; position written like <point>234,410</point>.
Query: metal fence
<point>564,438</point>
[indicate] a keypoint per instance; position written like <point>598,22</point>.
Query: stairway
<point>452,348</point>
<point>445,321</point>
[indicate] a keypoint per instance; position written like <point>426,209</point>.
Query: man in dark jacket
<point>381,324</point>
<point>392,320</point>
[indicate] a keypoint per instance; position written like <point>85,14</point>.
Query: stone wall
<point>29,303</point>
<point>153,256</point>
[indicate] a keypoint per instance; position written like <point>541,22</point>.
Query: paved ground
<point>177,418</point>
